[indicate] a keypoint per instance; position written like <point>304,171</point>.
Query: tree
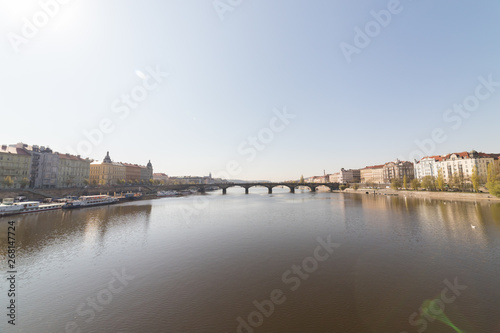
<point>461,181</point>
<point>455,181</point>
<point>493,183</point>
<point>415,184</point>
<point>7,181</point>
<point>355,186</point>
<point>405,182</point>
<point>342,187</point>
<point>301,179</point>
<point>395,184</point>
<point>428,182</point>
<point>440,180</point>
<point>475,179</point>
<point>86,182</point>
<point>451,180</point>
<point>468,184</point>
<point>25,182</point>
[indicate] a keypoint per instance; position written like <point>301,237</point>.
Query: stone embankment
<point>38,194</point>
<point>450,196</point>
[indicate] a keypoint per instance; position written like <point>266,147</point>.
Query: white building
<point>349,176</point>
<point>459,164</point>
<point>334,177</point>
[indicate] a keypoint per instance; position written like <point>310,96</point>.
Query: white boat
<point>91,200</point>
<point>7,207</point>
<point>166,193</point>
<point>35,206</point>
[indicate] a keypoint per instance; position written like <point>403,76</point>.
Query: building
<point>319,179</point>
<point>50,169</point>
<point>427,166</point>
<point>195,180</point>
<point>349,176</point>
<point>497,159</point>
<point>398,170</point>
<point>132,173</point>
<point>455,164</point>
<point>107,172</point>
<point>462,164</point>
<point>372,174</point>
<point>113,173</point>
<point>334,177</point>
<point>160,177</point>
<point>72,171</point>
<point>15,164</point>
<point>147,172</point>
<point>44,167</point>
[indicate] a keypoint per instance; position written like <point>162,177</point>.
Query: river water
<point>303,262</point>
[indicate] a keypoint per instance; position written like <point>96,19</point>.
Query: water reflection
<point>85,226</point>
<point>198,265</point>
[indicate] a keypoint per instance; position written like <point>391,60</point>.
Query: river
<point>304,262</point>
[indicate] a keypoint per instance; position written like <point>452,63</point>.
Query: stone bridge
<point>224,186</point>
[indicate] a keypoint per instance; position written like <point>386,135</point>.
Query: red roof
<point>464,155</point>
<point>375,166</point>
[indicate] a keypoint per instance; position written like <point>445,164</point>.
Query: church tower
<point>107,159</point>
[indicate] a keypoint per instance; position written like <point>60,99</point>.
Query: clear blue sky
<point>225,77</point>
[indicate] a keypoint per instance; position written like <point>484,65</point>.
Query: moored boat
<point>7,207</point>
<point>35,206</point>
<point>166,193</point>
<point>90,200</point>
<point>133,196</point>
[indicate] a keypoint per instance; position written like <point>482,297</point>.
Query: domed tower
<point>107,159</point>
<point>149,166</point>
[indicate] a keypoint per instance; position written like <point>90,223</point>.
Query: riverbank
<point>450,196</point>
<point>39,194</point>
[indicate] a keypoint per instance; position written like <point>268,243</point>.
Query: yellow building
<point>107,172</point>
<point>373,174</point>
<point>15,165</point>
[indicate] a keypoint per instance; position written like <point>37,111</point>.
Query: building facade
<point>349,176</point>
<point>107,172</point>
<point>15,165</point>
<point>372,174</point>
<point>73,171</point>
<point>398,170</point>
<point>160,177</point>
<point>427,166</point>
<point>334,177</point>
<point>147,172</point>
<point>455,164</point>
<point>44,167</point>
<point>132,172</point>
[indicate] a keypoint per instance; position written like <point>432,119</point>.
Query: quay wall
<point>37,194</point>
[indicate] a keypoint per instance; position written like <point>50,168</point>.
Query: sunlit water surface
<point>197,264</point>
